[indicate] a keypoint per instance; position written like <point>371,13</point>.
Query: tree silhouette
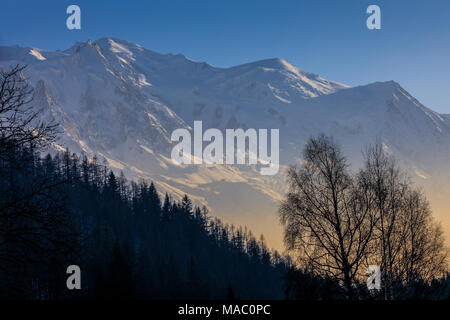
<point>338,223</point>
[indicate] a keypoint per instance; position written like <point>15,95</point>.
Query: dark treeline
<point>128,242</point>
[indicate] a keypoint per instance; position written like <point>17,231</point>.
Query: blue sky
<point>329,38</point>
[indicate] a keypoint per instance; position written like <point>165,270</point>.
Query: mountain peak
<point>387,84</point>
<point>275,63</point>
<point>110,41</point>
<point>272,63</point>
<point>382,88</point>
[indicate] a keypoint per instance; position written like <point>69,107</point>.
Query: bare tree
<point>389,187</point>
<point>21,133</point>
<point>422,251</point>
<point>34,223</point>
<point>328,214</point>
<point>338,223</point>
<point>19,119</point>
<point>407,243</point>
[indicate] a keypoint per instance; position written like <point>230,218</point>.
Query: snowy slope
<point>121,101</point>
<point>446,118</point>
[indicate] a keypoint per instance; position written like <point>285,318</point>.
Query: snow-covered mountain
<point>121,101</point>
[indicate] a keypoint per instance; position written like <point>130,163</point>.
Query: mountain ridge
<point>120,101</point>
